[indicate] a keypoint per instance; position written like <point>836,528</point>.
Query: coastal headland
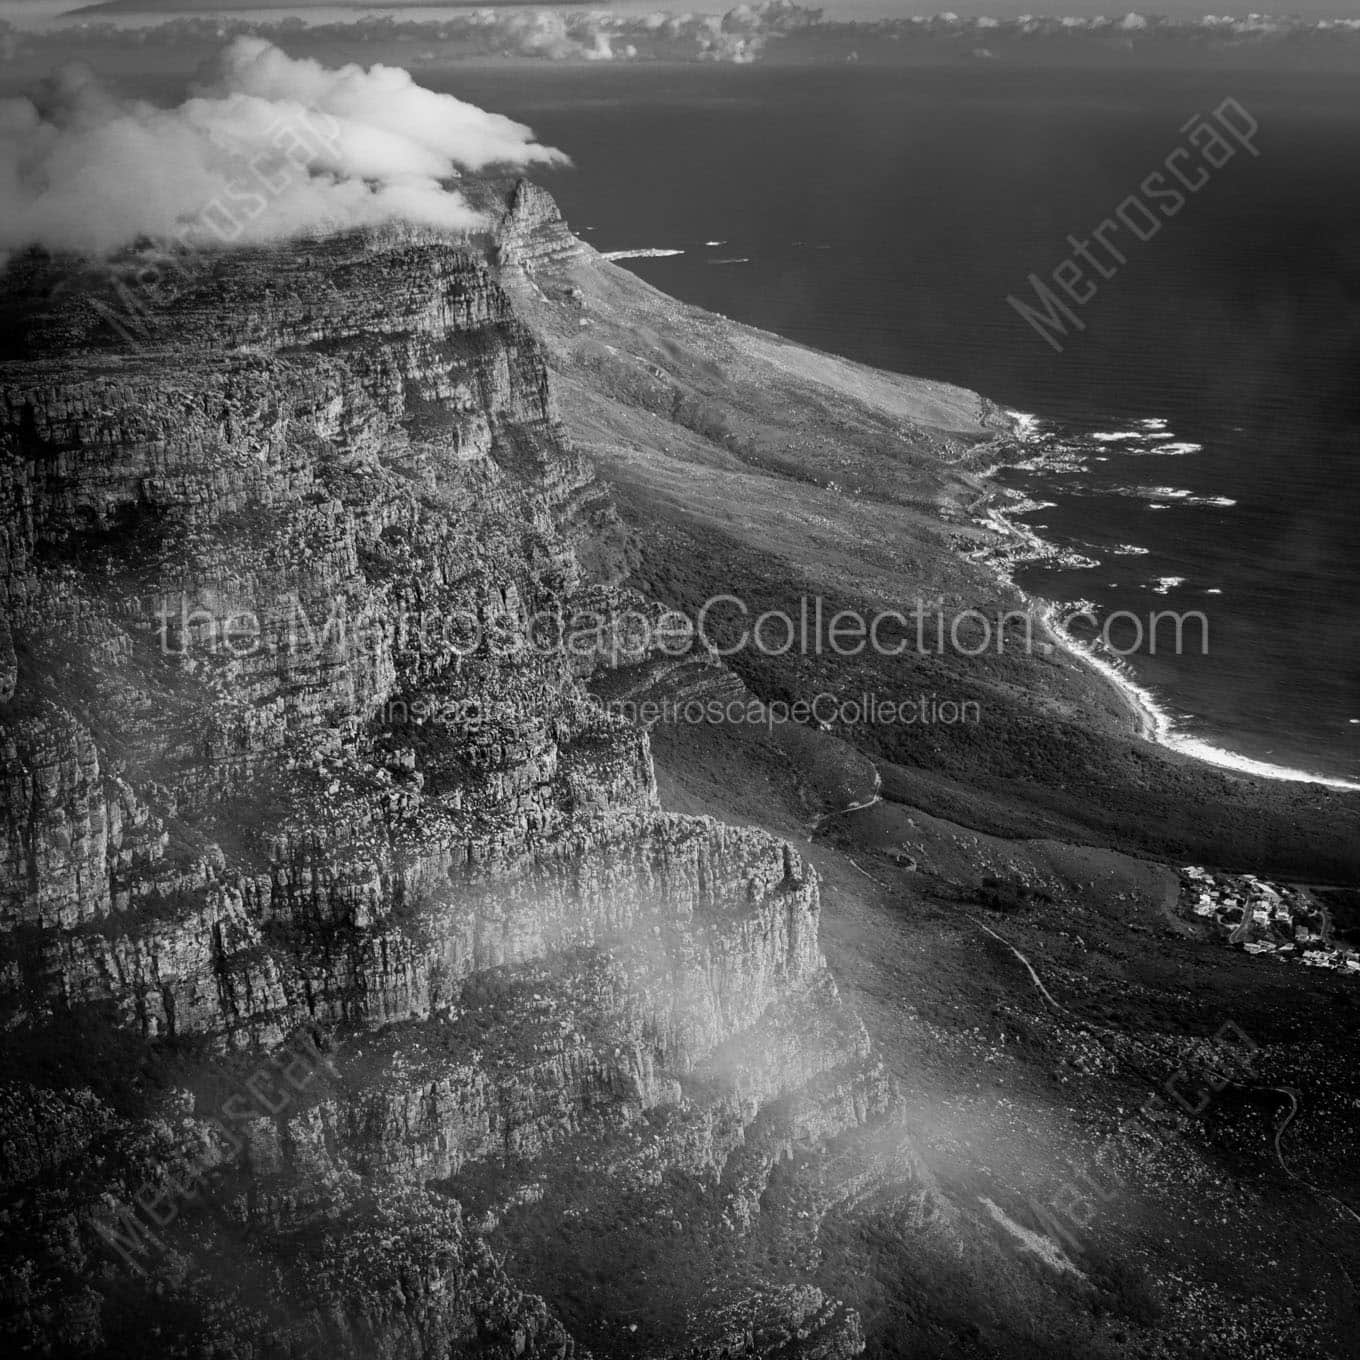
<point>391,997</point>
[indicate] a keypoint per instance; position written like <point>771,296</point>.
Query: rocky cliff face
<point>354,981</point>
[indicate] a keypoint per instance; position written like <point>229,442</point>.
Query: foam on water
<point>1162,495</point>
<point>1160,726</point>
<point>1151,438</point>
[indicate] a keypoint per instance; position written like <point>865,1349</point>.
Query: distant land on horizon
<point>236,6</point>
<point>833,10</point>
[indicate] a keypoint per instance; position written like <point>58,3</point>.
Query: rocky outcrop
<point>286,757</point>
<point>532,233</point>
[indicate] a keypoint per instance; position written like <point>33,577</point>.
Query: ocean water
<point>887,215</point>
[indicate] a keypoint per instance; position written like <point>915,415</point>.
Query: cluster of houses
<point>1266,918</point>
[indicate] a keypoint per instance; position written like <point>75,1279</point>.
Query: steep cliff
<point>341,925</point>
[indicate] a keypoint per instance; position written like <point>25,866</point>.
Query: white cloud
<point>267,147</point>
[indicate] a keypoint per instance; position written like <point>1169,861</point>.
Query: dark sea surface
<point>887,215</point>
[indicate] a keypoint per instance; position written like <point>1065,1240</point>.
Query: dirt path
<point>842,812</point>
<point>1288,1093</point>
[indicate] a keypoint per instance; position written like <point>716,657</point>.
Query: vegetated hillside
<point>1028,1090</point>
<point>751,466</point>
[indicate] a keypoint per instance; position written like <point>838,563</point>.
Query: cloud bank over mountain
<point>266,147</point>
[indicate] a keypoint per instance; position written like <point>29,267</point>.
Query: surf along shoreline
<point>1016,544</point>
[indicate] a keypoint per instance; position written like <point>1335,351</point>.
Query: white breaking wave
<point>1162,727</point>
<point>1232,760</point>
<point>1151,437</point>
<point>1159,725</point>
<point>1161,495</point>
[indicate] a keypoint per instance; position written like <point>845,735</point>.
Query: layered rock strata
<point>287,762</point>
